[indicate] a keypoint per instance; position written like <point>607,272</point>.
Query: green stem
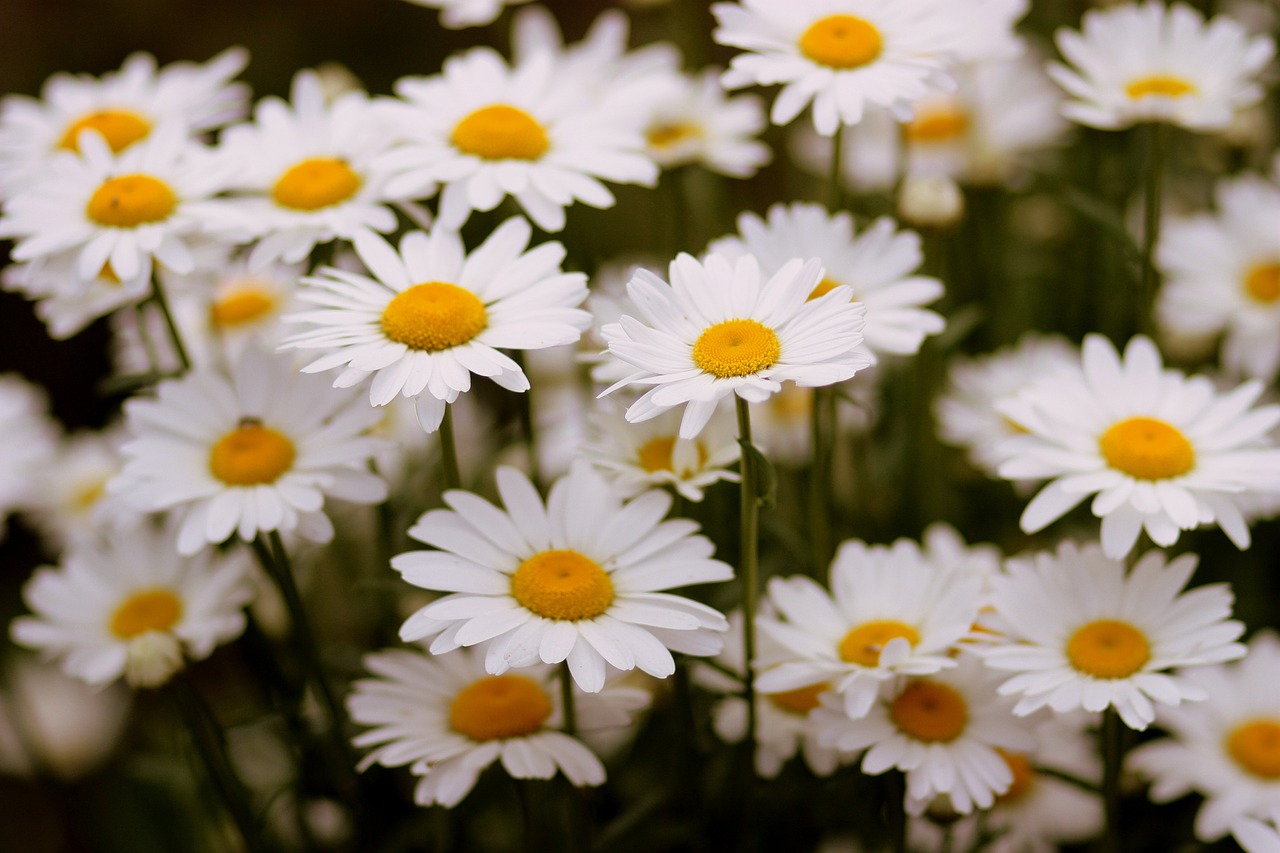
<point>449,451</point>
<point>526,424</point>
<point>157,293</point>
<point>749,505</point>
<point>1112,762</point>
<point>566,699</point>
<point>1157,133</point>
<point>822,429</point>
<point>835,199</point>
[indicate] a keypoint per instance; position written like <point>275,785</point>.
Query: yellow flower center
<point>1147,448</point>
<point>800,701</point>
<point>89,494</point>
<point>940,124</point>
<point>242,303</point>
<point>864,643</point>
<point>929,711</point>
<point>736,348</point>
<point>656,455</point>
<point>841,41</point>
<point>563,585</point>
<point>315,183</point>
<point>251,455</point>
<point>120,128</point>
<point>1024,776</point>
<point>1263,283</point>
<point>501,132</point>
<point>1255,746</point>
<point>1162,85</point>
<point>499,706</point>
<point>664,136</point>
<point>131,200</point>
<point>434,316</point>
<point>146,610</point>
<point>1108,648</point>
<point>823,288</point>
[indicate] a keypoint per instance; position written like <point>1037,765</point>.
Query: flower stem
<point>566,699</point>
<point>1157,135</point>
<point>1112,761</point>
<point>157,293</point>
<point>836,200</point>
<point>822,438</point>
<point>749,504</point>
<point>449,451</point>
<point>526,424</point>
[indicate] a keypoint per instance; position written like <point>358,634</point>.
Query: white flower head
<point>698,124</point>
<point>28,442</point>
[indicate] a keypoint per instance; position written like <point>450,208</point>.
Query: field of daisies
<point>769,425</point>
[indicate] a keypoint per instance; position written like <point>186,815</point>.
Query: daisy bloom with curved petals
<point>945,731</point>
<point>890,612</point>
<point>124,605</point>
<point>716,330</point>
<point>71,501</point>
<point>432,315</point>
<point>575,579</point>
<point>460,14</point>
<point>876,264</point>
<point>697,123</point>
<point>841,55</point>
<point>484,131</point>
<point>28,442</point>
<point>1226,748</point>
<point>1256,836</point>
<point>1150,62</point>
<point>1081,633</point>
<point>254,452</point>
<point>67,303</point>
<point>449,719</point>
<point>1160,451</point>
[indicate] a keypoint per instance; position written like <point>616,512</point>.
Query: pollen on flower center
<point>499,706</point>
<point>864,643</point>
<point>842,41</point>
<point>434,316</point>
<point>1108,648</point>
<point>501,132</point>
<point>1161,85</point>
<point>131,200</point>
<point>800,701</point>
<point>941,124</point>
<point>1263,283</point>
<point>250,455</point>
<point>562,584</point>
<point>1024,776</point>
<point>240,305</point>
<point>657,454</point>
<point>929,711</point>
<point>1255,746</point>
<point>146,610</point>
<point>315,183</point>
<point>120,129</point>
<point>736,348</point>
<point>665,136</point>
<point>1147,448</point>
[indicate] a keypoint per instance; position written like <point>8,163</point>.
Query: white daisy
<point>1150,62</point>
<point>70,500</point>
<point>1081,633</point>
<point>1162,452</point>
<point>65,302</point>
<point>460,14</point>
<point>127,606</point>
<point>890,612</point>
<point>432,315</point>
<point>575,579</point>
<point>449,720</point>
<point>1257,836</point>
<point>485,130</point>
<point>717,330</point>
<point>842,55</point>
<point>28,442</point>
<point>697,123</point>
<point>878,266</point>
<point>254,452</point>
<point>988,32</point>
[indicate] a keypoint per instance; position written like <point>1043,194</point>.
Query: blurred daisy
<point>1256,836</point>
<point>460,14</point>
<point>716,330</point>
<point>889,613</point>
<point>242,308</point>
<point>698,124</point>
<point>127,606</point>
<point>1136,63</point>
<point>28,442</point>
<point>449,720</point>
<point>988,32</point>
<point>432,315</point>
<point>65,302</point>
<point>1081,633</point>
<point>576,579</point>
<point>1162,452</point>
<point>254,452</point>
<point>70,500</point>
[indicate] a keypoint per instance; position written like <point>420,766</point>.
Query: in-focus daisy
<point>1081,633</point>
<point>697,123</point>
<point>889,613</point>
<point>258,451</point>
<point>842,56</point>
<point>1151,62</point>
<point>432,315</point>
<point>717,330</point>
<point>449,719</point>
<point>460,14</point>
<point>127,606</point>
<point>575,579</point>
<point>28,441</point>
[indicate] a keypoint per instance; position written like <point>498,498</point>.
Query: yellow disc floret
<point>1255,746</point>
<point>823,288</point>
<point>251,455</point>
<point>434,316</point>
<point>1147,449</point>
<point>658,454</point>
<point>146,610</point>
<point>1108,648</point>
<point>131,200</point>
<point>664,136</point>
<point>241,304</point>
<point>499,706</point>
<point>1263,283</point>
<point>501,132</point>
<point>315,183</point>
<point>120,128</point>
<point>736,348</point>
<point>1024,776</point>
<point>842,41</point>
<point>937,125</point>
<point>929,711</point>
<point>864,643</point>
<point>562,584</point>
<point>800,701</point>
<point>1160,85</point>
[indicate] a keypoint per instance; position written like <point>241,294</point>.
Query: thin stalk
<point>748,576</point>
<point>1112,761</point>
<point>835,199</point>
<point>566,699</point>
<point>449,451</point>
<point>527,425</point>
<point>1158,134</point>
<point>822,429</point>
<point>144,335</point>
<point>157,293</point>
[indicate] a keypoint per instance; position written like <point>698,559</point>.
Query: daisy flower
<point>697,123</point>
<point>841,55</point>
<point>1257,836</point>
<point>890,612</point>
<point>449,719</point>
<point>876,264</point>
<point>254,452</point>
<point>126,606</point>
<point>1081,633</point>
<point>1150,62</point>
<point>64,301</point>
<point>716,330</point>
<point>433,315</point>
<point>1222,275</point>
<point>28,442</point>
<point>1162,452</point>
<point>575,579</point>
<point>485,130</point>
<point>70,500</point>
<point>1226,748</point>
<point>460,14</point>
